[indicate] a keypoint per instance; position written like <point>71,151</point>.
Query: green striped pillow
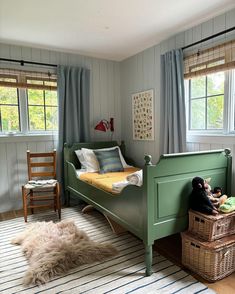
<point>109,161</point>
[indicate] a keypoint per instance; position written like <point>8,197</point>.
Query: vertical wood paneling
<point>63,59</point>
<point>112,84</point>
<point>157,104</point>
<point>105,102</point>
<point>54,57</point>
<point>26,53</point>
<point>148,83</point>
<point>171,44</point>
<point>5,50</point>
<point>15,52</point>
<point>21,149</point>
<point>197,33</point>
<point>117,102</point>
<point>219,26</point>
<point>164,47</point>
<point>36,54</point>
<point>4,191</point>
<point>180,40</point>
<point>188,37</point>
<point>230,19</point>
<point>137,77</point>
<point>45,56</point>
<point>13,170</point>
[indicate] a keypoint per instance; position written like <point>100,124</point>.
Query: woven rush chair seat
<point>42,189</point>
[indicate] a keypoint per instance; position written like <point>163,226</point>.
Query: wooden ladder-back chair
<point>42,189</point>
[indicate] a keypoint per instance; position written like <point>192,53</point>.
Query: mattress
<point>105,181</point>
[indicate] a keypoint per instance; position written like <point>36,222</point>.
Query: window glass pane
<point>10,118</point>
<point>51,98</point>
<point>215,83</point>
<point>8,95</point>
<point>215,109</point>
<point>36,118</point>
<point>198,87</point>
<point>51,118</point>
<point>35,97</point>
<point>198,114</point>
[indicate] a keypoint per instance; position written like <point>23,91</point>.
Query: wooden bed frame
<point>160,207</point>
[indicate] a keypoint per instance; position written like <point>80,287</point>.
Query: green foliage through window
<point>9,110</point>
<point>39,107</point>
<point>42,108</point>
<point>206,97</point>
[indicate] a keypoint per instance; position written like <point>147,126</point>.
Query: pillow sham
<point>81,158</point>
<point>109,161</point>
<point>92,165</point>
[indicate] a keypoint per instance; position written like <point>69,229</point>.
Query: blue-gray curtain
<point>73,100</point>
<point>173,115</point>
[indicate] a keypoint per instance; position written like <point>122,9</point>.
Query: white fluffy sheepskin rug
<point>54,248</point>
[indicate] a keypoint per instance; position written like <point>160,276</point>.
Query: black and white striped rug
<point>122,274</point>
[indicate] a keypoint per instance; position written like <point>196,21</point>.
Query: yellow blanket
<point>105,181</point>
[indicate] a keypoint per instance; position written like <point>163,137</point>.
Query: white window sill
<point>28,137</point>
<point>211,138</point>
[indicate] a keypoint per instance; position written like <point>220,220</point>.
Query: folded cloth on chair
<point>136,178</point>
<point>40,183</point>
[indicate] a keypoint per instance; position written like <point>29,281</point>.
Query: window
<point>9,107</point>
<point>209,84</point>
<point>206,102</point>
<point>211,103</point>
<point>28,102</point>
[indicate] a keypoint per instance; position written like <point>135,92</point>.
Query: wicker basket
<point>211,260</point>
<point>210,227</point>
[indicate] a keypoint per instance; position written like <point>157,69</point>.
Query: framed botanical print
<point>142,115</point>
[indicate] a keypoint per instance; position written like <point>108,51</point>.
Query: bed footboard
<point>167,187</point>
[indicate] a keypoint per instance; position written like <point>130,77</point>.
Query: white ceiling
<point>110,29</point>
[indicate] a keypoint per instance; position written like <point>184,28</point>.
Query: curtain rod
<point>208,38</point>
<point>23,62</point>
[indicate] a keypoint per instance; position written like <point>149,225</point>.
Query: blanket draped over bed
<point>159,207</point>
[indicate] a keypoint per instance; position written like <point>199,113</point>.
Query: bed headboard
<point>69,154</point>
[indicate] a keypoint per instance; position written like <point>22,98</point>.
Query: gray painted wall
<point>142,72</point>
<point>112,84</point>
<point>105,103</point>
<point>105,81</point>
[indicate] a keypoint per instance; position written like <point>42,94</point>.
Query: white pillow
<point>81,158</point>
<point>89,161</point>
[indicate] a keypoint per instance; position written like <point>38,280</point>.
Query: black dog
<point>199,200</point>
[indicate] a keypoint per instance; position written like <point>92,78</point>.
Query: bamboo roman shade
<point>207,61</point>
<point>28,79</point>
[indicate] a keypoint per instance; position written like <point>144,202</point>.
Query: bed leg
<point>67,197</point>
<point>148,260</point>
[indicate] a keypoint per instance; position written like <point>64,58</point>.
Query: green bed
<point>160,207</point>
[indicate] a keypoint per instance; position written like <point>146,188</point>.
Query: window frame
<point>23,110</point>
<point>229,108</point>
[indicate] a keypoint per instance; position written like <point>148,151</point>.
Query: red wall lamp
<point>105,125</point>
